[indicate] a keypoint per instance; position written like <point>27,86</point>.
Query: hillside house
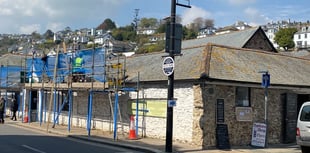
<point>302,38</point>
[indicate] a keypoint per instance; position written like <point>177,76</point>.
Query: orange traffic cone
<point>132,131</point>
<point>25,120</point>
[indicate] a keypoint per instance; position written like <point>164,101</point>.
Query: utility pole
<point>171,51</point>
<point>136,20</point>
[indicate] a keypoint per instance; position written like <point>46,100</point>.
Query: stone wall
<point>240,132</point>
<point>154,126</point>
<point>194,115</point>
<point>182,113</point>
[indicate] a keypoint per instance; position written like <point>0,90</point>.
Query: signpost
<point>265,85</point>
<point>168,68</point>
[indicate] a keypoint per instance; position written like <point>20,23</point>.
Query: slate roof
<point>223,63</point>
<point>226,63</point>
<point>234,39</point>
<point>12,60</point>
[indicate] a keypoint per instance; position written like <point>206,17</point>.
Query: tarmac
<point>143,144</point>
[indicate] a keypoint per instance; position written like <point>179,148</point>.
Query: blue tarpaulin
<point>36,66</point>
<point>10,76</point>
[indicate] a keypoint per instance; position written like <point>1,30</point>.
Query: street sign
<point>168,66</point>
<point>172,103</point>
<point>266,80</point>
<point>177,38</point>
<point>259,134</point>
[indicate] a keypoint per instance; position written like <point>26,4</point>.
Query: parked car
<point>303,128</point>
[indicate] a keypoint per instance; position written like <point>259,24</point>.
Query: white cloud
<point>38,14</point>
<point>241,2</point>
<point>6,11</point>
<point>55,26</point>
<point>254,17</point>
<point>28,29</point>
<point>190,14</point>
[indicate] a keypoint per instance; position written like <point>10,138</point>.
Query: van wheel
<point>305,149</point>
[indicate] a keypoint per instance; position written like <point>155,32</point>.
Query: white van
<point>303,128</point>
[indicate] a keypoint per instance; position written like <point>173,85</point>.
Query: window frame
<point>246,96</point>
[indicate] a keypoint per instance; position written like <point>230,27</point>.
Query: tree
<point>189,33</point>
<point>107,24</point>
<point>49,34</point>
<point>209,23</point>
<point>161,28</point>
<point>126,33</point>
<point>199,23</point>
<point>35,35</point>
<point>148,22</point>
<point>284,38</point>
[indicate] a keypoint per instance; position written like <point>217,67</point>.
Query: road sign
<point>266,80</point>
<point>177,38</point>
<point>172,103</point>
<point>168,66</point>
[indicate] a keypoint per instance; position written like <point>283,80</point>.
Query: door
<point>289,103</point>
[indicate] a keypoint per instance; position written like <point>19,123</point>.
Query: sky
<point>27,16</point>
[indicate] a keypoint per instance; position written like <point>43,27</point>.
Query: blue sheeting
<point>64,66</point>
<point>10,76</point>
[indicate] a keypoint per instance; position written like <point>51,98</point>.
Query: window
<point>299,36</point>
<point>305,35</point>
<point>305,114</point>
<point>299,43</point>
<point>242,97</point>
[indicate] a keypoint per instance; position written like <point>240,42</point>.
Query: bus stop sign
<point>168,66</point>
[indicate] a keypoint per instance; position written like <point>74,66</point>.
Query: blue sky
<point>27,16</point>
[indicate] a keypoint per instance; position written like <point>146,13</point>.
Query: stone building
<point>209,72</point>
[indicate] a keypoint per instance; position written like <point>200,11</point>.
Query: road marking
<point>33,149</point>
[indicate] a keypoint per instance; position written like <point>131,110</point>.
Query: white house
<point>271,33</point>
<point>204,32</point>
<point>80,39</point>
<point>302,38</point>
<point>101,39</point>
<point>146,31</point>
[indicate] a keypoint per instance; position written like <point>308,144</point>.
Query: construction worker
<point>78,71</point>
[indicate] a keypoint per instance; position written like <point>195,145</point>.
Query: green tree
<point>189,33</point>
<point>35,35</point>
<point>161,28</point>
<point>49,34</point>
<point>126,33</point>
<point>284,38</point>
<point>148,22</point>
<point>156,47</point>
<point>107,24</point>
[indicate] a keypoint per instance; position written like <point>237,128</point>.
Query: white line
<point>33,149</point>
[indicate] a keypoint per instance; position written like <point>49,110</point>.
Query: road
<point>20,140</point>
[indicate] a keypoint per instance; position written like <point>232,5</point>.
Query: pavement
<point>144,144</point>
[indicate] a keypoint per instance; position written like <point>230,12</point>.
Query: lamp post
<point>172,52</point>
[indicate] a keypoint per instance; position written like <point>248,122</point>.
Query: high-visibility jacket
<point>78,62</point>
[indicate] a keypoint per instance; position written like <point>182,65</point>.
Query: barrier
<point>132,129</point>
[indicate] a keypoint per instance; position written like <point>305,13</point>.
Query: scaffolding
<point>104,71</point>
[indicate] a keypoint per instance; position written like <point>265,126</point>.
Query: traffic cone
<point>25,120</point>
<point>132,131</point>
